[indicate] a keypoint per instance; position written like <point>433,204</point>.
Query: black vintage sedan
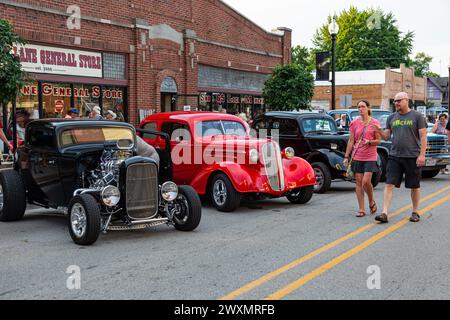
<point>314,137</point>
<point>91,171</point>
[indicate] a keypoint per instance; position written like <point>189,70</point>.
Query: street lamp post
<point>334,29</point>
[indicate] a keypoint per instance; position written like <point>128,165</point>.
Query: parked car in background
<point>314,137</point>
<point>90,170</point>
<point>214,153</point>
<point>438,154</point>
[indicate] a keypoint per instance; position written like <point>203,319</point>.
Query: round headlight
<point>169,191</point>
<point>254,155</point>
<point>110,196</point>
<point>289,153</point>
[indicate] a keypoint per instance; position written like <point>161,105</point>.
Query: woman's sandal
<point>373,208</point>
<point>361,214</point>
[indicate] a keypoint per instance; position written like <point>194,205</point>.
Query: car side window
<point>177,131</point>
<point>40,137</point>
<point>149,126</point>
<point>286,127</point>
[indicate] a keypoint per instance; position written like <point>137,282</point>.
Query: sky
<point>430,21</point>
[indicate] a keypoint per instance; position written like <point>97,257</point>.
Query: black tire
<point>384,160</point>
<point>12,196</point>
<point>230,199</point>
<point>301,196</point>
<point>189,201</point>
<point>93,219</point>
<point>430,174</point>
<point>324,181</point>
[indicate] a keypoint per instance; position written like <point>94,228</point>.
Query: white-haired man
<point>408,131</point>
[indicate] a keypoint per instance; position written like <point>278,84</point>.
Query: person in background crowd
<point>362,145</point>
<point>408,130</point>
<point>110,115</point>
<point>441,124</point>
<point>223,110</point>
<point>95,114</point>
<point>243,117</point>
<point>343,123</point>
<point>22,119</point>
<point>5,139</point>
<point>72,114</point>
<point>440,128</point>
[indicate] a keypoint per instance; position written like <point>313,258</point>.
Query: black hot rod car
<point>90,170</point>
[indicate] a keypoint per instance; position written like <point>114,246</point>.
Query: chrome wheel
<point>220,192</point>
<point>320,178</point>
<point>1,197</point>
<point>180,210</point>
<point>78,220</point>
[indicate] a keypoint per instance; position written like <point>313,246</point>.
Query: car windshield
<point>219,127</point>
<point>94,135</point>
<point>319,125</point>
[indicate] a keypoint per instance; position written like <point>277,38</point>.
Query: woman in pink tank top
<point>362,152</point>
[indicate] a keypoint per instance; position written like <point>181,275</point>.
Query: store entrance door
<point>169,92</point>
<point>168,102</point>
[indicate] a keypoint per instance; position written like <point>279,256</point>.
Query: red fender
<point>298,173</point>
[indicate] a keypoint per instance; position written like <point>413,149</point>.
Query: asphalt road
<point>268,249</point>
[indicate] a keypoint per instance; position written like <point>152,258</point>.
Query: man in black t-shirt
<point>408,131</point>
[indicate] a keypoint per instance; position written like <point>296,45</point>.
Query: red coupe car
<point>215,154</point>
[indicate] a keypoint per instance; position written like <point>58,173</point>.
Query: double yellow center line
<point>327,266</point>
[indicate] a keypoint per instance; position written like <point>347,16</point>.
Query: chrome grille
<point>437,147</point>
<point>273,165</point>
<point>142,191</point>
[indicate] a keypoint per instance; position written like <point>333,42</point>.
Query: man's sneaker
<point>383,218</point>
<point>415,217</point>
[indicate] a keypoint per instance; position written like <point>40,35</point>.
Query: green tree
<point>421,64</point>
<point>367,40</point>
<point>12,78</point>
<point>291,87</point>
<point>304,57</point>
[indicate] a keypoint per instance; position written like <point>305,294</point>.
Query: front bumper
<point>438,161</point>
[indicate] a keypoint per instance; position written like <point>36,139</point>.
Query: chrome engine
<point>107,172</point>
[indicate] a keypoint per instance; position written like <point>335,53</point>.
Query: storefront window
<point>218,102</point>
<point>258,106</point>
<point>204,102</point>
<point>247,106</point>
<point>113,100</point>
<point>86,97</point>
<point>233,104</point>
<point>55,99</point>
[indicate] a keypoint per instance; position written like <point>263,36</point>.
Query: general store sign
<point>51,60</point>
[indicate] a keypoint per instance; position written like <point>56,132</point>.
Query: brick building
<point>137,57</point>
<point>377,86</point>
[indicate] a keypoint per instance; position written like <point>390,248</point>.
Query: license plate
<point>430,162</point>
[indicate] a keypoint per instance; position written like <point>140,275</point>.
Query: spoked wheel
<point>223,195</point>
<point>84,220</point>
<point>186,209</point>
